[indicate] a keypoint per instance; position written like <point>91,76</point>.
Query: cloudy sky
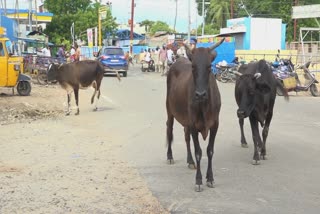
<point>163,10</point>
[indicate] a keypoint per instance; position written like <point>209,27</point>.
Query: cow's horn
<point>237,73</point>
<point>188,48</point>
<point>216,44</point>
<point>257,75</point>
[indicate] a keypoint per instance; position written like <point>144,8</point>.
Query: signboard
<point>305,12</point>
<point>90,37</point>
<point>103,12</point>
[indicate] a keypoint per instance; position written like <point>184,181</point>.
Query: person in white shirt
<point>147,56</point>
<point>46,51</point>
<point>169,56</point>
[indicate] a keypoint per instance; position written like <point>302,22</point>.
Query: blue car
<point>113,58</point>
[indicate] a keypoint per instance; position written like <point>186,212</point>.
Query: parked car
<point>113,58</point>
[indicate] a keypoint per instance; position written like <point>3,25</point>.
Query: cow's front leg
<point>170,120</point>
<point>76,95</point>
<point>265,132</point>
<point>198,154</point>
<point>243,139</point>
<point>256,140</point>
<point>190,160</point>
<point>68,103</point>
<point>210,151</point>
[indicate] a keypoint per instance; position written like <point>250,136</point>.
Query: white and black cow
<point>78,75</point>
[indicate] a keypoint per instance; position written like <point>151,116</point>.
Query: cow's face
<point>247,92</point>
<point>52,72</point>
<point>201,59</point>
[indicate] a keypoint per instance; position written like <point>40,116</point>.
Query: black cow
<point>193,99</point>
<point>255,93</point>
<point>78,75</point>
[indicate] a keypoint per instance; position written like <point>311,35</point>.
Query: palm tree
<point>147,23</point>
<point>218,12</point>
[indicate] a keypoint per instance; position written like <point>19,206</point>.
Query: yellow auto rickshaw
<point>11,68</point>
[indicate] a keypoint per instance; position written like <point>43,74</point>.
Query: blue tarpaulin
<point>226,51</point>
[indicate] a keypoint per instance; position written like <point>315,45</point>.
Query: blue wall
<point>283,36</point>
<point>226,51</point>
<point>9,24</point>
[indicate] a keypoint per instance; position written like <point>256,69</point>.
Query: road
<point>131,121</point>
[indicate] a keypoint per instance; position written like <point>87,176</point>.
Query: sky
<point>155,10</point>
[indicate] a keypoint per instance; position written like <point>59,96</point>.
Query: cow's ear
<point>188,52</point>
<point>213,54</point>
<point>263,88</point>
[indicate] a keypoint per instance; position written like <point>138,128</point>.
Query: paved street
<point>285,183</point>
<point>131,122</point>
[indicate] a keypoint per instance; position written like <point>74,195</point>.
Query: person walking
<point>77,53</point>
<point>61,54</point>
<point>156,59</point>
<point>163,60</point>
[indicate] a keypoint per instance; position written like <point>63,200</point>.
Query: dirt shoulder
<point>43,103</point>
<point>50,164</point>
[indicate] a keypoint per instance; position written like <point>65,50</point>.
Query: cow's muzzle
<point>241,114</point>
<point>201,96</point>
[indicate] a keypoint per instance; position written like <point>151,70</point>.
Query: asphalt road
<point>288,182</point>
<point>129,129</point>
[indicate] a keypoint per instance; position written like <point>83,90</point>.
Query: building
<point>20,22</point>
<point>256,33</point>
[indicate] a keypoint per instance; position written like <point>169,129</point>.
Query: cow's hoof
<point>244,145</point>
<point>198,188</point>
<point>95,109</point>
<point>210,184</point>
<point>264,157</point>
<point>192,166</point>
<point>68,113</point>
<point>77,113</point>
<point>170,161</point>
<point>255,162</point>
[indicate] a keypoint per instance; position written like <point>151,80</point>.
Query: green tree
<point>84,17</point>
<point>160,26</point>
<point>66,6</point>
<point>147,24</point>
<point>218,12</point>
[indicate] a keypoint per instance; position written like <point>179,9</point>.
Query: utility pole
<point>131,25</point>
<point>296,2</point>
<point>203,17</point>
<point>30,15</point>
<point>231,9</point>
<point>189,21</point>
<point>175,17</point>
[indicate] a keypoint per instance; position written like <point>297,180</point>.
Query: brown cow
<point>78,75</point>
<point>193,99</point>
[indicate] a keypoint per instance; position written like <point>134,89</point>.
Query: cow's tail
<point>118,75</point>
<point>279,85</point>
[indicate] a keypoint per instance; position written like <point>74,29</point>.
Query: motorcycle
<point>291,82</point>
<point>147,66</point>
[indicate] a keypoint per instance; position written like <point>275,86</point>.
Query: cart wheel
<point>42,78</point>
<point>314,90</point>
<point>24,88</point>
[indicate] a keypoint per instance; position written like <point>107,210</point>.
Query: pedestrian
<point>193,43</point>
<point>72,53</point>
<point>156,59</point>
<point>46,51</point>
<point>61,54</point>
<point>163,60</point>
<point>170,58</point>
<point>77,53</point>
